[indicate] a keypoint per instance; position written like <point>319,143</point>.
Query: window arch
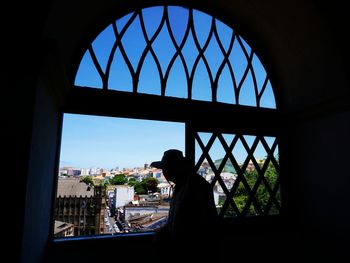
<point>180,64</point>
<point>188,53</point>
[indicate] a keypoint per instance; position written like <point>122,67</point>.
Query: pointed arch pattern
<point>179,52</point>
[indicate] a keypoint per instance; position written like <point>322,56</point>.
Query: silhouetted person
<point>192,214</point>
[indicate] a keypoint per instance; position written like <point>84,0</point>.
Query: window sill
<point>143,235</point>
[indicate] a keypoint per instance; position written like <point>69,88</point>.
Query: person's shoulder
<point>200,181</point>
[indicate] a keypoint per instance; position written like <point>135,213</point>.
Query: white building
<point>123,195</point>
<point>85,171</point>
<point>164,188</point>
<point>93,171</point>
<point>217,196</point>
<point>228,176</point>
<point>158,174</point>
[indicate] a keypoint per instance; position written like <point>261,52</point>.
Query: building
<point>165,189</point>
<point>63,229</point>
<point>80,205</point>
<point>123,195</point>
<point>144,217</point>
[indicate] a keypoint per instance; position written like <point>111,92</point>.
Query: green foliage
<point>271,176</point>
<point>132,181</point>
<point>146,185</point>
<point>118,179</point>
<point>151,184</point>
<point>104,183</point>
<point>87,180</point>
<point>262,195</point>
<point>140,188</point>
<point>241,195</point>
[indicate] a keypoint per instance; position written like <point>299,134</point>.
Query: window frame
<point>195,114</point>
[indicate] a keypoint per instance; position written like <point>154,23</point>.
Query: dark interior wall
<point>20,60</point>
<point>297,45</point>
<point>322,156</point>
<point>51,87</point>
<point>41,175</point>
<point>317,180</point>
<point>295,39</point>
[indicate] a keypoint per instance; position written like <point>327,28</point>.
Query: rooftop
<point>73,187</point>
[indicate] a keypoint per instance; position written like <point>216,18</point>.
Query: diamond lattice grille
<point>243,171</point>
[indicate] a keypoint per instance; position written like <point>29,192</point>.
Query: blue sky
<point>94,141</point>
<point>90,141</point>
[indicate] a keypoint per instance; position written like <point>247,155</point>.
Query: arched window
<point>171,63</point>
<point>188,53</point>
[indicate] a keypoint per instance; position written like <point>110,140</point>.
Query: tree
<point>132,181</point>
<point>87,180</point>
<point>146,185</point>
<point>140,188</point>
<point>118,179</point>
<point>262,195</point>
<point>151,184</point>
<point>104,183</point>
<point>271,176</point>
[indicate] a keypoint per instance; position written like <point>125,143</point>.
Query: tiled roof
<point>73,187</point>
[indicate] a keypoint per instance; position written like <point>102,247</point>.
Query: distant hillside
<point>228,166</point>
